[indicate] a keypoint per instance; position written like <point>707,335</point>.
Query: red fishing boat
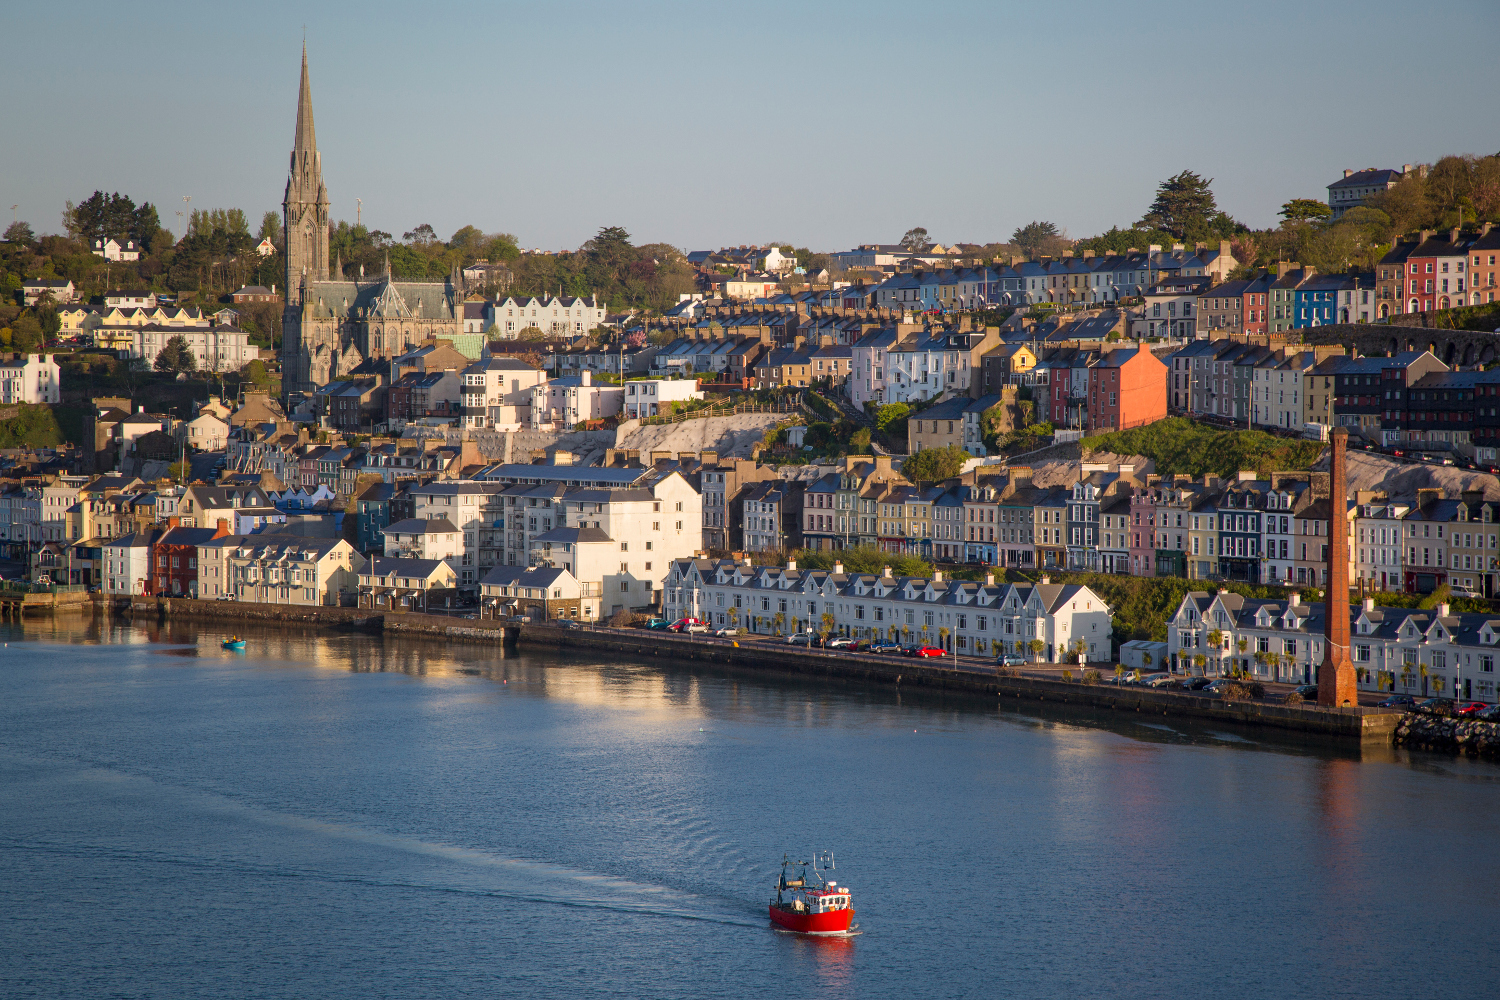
<point>811,904</point>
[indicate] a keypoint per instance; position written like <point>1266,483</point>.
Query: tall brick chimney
<point>1336,683</point>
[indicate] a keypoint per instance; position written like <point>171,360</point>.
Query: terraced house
<point>1045,622</point>
<point>1404,650</point>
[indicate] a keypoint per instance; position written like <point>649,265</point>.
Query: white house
<point>61,290</point>
<point>112,249</point>
<point>127,563</point>
<point>649,397</point>
<point>30,378</point>
<point>497,393</point>
<point>205,432</point>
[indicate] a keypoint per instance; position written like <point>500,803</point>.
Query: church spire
<point>305,207</point>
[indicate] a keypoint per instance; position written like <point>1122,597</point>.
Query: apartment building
<point>568,401</point>
<point>281,569</point>
<point>497,393</point>
<point>1047,621</point>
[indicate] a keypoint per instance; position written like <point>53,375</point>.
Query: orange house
<point>1127,388</point>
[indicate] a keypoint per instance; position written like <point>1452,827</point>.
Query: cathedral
<point>330,324</point>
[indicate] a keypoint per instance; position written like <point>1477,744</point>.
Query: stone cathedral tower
<point>331,326</point>
<point>305,206</point>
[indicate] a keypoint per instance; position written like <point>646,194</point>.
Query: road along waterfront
<point>343,815</point>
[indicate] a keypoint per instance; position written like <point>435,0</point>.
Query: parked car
<point>800,639</point>
<point>1010,660</point>
<point>1309,692</point>
<point>688,625</point>
<point>882,647</point>
<point>922,652</point>
<point>1436,706</point>
<point>1469,708</point>
<point>1397,701</point>
<point>561,622</point>
<point>727,632</point>
<point>1158,680</point>
<point>840,642</point>
<point>1194,683</point>
<point>1468,592</point>
<point>1491,714</point>
<point>657,624</point>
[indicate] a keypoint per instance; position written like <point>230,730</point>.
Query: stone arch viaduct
<point>1452,347</point>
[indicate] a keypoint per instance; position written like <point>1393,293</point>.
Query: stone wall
<point>1452,347</point>
<point>1431,732</point>
<point>1356,724</point>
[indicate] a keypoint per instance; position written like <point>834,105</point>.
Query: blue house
<point>1316,301</point>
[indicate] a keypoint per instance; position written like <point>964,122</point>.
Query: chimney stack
<point>838,568</point>
<point>885,571</point>
<point>1336,681</point>
<point>1442,610</point>
<point>989,579</point>
<point>1046,579</point>
<point>1348,172</point>
<point>791,565</point>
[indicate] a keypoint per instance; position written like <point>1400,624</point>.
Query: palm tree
<point>1199,660</point>
<point>1216,640</point>
<point>828,623</point>
<point>1036,646</point>
<point>943,637</point>
<point>778,620</point>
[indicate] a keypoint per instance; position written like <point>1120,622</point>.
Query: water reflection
<point>698,693</point>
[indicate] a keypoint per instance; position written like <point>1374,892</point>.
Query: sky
<point>708,125</point>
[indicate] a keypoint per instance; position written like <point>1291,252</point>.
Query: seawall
<point>768,658</point>
<point>1350,723</point>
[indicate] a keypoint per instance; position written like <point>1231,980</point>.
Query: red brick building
<point>174,559</point>
<point>1127,388</point>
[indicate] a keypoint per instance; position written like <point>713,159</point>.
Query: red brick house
<point>174,559</point>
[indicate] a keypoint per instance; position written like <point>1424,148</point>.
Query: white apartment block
<point>564,402</point>
<point>497,393</point>
<point>1045,622</point>
<point>218,348</point>
<point>30,378</point>
<point>524,515</point>
<point>552,316</point>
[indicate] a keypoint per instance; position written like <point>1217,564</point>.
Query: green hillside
<point>34,426</point>
<point>1181,446</point>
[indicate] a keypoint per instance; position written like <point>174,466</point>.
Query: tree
<point>422,235</point>
<point>915,239</point>
<point>887,416</point>
<point>778,620</point>
<point>1184,206</point>
<point>859,442</point>
<point>1036,646</point>
<point>26,333</point>
<point>176,356</point>
<point>255,373</point>
<point>270,228</point>
<point>19,232</point>
<point>1305,210</point>
<point>1033,237</point>
<point>935,464</point>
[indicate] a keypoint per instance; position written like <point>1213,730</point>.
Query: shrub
<point>623,619</point>
<point>1067,677</point>
<point>1293,698</point>
<point>1236,692</point>
<point>1091,677</point>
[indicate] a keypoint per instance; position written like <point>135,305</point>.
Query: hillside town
<point>452,445</point>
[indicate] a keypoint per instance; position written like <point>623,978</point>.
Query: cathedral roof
<point>382,299</point>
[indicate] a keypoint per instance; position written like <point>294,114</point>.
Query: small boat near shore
<point>233,642</point>
<point>811,904</point>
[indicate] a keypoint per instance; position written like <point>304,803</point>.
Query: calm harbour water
<point>342,816</point>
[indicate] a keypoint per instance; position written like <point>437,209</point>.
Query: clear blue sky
<point>703,125</point>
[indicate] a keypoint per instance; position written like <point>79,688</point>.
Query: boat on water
<point>811,903</point>
<point>234,643</point>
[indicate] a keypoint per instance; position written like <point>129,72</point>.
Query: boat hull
<point>833,922</point>
<point>234,645</point>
